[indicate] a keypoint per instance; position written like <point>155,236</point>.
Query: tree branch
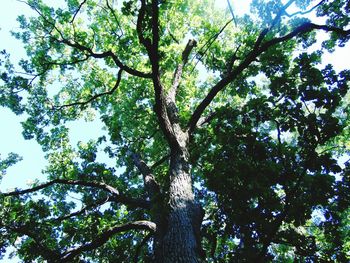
<point>102,238</point>
<point>105,54</point>
<point>258,50</point>
<point>81,103</point>
<point>115,195</point>
<point>178,72</point>
<point>82,210</point>
<point>160,106</point>
<point>305,12</point>
<point>151,185</point>
<point>115,16</point>
<point>76,12</point>
<point>208,43</point>
<point>159,162</point>
<point>231,11</point>
<point>83,48</point>
<point>139,27</point>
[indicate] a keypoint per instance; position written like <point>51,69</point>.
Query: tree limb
<point>102,238</point>
<point>83,48</point>
<point>105,54</point>
<point>305,12</point>
<point>258,50</point>
<point>231,11</point>
<point>115,16</point>
<point>151,185</point>
<point>82,210</point>
<point>178,72</point>
<point>115,195</point>
<point>160,106</point>
<point>201,52</point>
<point>76,12</point>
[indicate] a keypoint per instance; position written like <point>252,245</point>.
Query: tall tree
<point>224,131</point>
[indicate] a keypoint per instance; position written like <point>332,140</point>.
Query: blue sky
<point>11,139</point>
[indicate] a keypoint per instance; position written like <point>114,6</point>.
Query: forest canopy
<point>222,132</point>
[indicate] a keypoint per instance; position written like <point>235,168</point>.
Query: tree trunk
<point>178,240</point>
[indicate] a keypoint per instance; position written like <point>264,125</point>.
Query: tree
<point>224,131</point>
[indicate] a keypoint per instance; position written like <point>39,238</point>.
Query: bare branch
<point>115,16</point>
<point>203,50</point>
<point>76,12</point>
<point>95,96</point>
<point>305,12</point>
<point>102,238</point>
<point>115,195</point>
<point>231,10</point>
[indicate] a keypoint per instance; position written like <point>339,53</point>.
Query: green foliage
<point>263,162</point>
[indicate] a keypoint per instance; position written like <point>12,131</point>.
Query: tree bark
<point>179,238</point>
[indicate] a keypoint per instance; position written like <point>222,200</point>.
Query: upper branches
<point>148,22</point>
<point>80,47</point>
<point>259,47</point>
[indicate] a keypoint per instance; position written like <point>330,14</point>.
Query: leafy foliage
<point>265,117</point>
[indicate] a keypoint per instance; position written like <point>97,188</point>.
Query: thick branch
<point>152,45</point>
<point>82,103</point>
<point>115,195</point>
<point>259,49</point>
<point>102,238</point>
<point>139,27</point>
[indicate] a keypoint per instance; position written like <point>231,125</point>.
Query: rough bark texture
<point>180,238</point>
<point>180,241</point>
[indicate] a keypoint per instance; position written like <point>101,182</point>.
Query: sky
<point>11,139</point>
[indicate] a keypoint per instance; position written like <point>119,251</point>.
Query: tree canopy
<point>222,132</point>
